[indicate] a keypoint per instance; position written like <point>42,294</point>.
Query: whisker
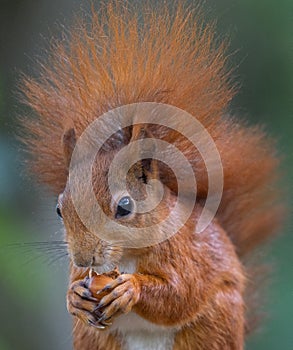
<point>32,259</point>
<point>45,259</point>
<point>59,257</point>
<point>39,245</point>
<point>45,251</point>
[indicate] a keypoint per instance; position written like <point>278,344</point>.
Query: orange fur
<point>124,57</point>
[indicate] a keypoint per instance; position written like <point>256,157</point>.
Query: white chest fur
<point>148,341</point>
<point>138,333</point>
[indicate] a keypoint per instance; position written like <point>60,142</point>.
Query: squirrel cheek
<point>81,253</point>
<point>82,260</point>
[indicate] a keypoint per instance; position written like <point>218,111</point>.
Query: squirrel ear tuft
<point>68,144</point>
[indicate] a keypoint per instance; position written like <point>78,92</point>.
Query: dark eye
<point>124,208</point>
<point>58,211</point>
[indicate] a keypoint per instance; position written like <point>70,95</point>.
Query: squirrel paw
<point>124,295</point>
<point>80,303</point>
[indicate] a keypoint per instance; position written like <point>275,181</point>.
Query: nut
<point>95,282</point>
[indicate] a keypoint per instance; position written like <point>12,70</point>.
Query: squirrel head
<point>131,199</point>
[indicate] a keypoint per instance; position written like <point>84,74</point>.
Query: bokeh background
<point>32,282</point>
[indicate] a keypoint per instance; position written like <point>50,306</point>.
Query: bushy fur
<point>125,56</point>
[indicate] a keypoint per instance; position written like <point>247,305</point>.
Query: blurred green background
<point>32,285</point>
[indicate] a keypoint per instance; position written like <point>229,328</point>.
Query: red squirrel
<point>189,291</point>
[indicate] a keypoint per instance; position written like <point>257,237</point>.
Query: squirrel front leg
<point>125,292</point>
<point>216,325</point>
<point>196,289</point>
<point>150,296</point>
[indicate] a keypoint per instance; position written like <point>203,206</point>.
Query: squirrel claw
<point>105,289</point>
<point>97,325</point>
<point>79,288</point>
<point>97,310</point>
<point>100,323</point>
<point>105,323</point>
<point>103,319</point>
<point>100,305</point>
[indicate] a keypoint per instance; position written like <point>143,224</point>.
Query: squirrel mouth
<point>105,268</point>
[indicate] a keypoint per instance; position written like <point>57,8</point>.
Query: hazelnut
<point>95,282</point>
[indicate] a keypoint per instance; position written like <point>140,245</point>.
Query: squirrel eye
<point>124,208</point>
<point>58,211</point>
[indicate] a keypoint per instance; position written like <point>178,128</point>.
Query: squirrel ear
<point>68,144</point>
<point>145,151</point>
<point>117,140</point>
